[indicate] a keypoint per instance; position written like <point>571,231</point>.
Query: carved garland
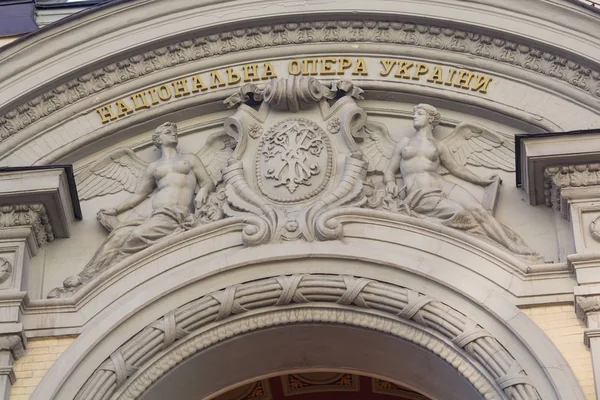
<point>393,302</point>
<point>435,37</point>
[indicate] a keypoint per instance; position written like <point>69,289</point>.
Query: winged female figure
<point>419,162</point>
<point>169,184</point>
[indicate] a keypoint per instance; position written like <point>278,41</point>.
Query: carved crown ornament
<point>395,32</point>
<point>295,154</point>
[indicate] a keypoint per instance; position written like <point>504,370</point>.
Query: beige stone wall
<point>566,331</point>
<point>41,354</point>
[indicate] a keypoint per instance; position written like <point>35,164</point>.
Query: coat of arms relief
<point>293,150</point>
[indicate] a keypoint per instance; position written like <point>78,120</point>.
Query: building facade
<point>267,199</point>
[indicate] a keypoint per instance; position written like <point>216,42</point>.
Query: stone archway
<point>238,322</point>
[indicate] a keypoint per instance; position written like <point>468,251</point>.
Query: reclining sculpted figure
<point>170,185</point>
<point>419,162</point>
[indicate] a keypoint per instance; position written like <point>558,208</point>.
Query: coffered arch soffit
<point>66,72</point>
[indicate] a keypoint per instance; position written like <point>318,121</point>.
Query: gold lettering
<point>360,68</point>
<point>234,77</point>
<point>420,69</point>
<point>269,72</point>
<point>313,63</point>
<point>140,101</point>
<point>250,72</point>
<point>403,67</point>
<point>327,66</point>
<point>106,113</point>
<point>464,79</point>
<point>387,65</point>
<point>345,63</point>
<point>482,83</point>
<point>164,93</point>
<point>198,84</point>
<point>123,108</point>
<point>294,67</point>
<point>436,75</point>
<point>450,77</point>
<point>180,87</point>
<point>152,93</point>
<point>216,80</point>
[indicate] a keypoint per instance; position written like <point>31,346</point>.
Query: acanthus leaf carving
<point>33,215</point>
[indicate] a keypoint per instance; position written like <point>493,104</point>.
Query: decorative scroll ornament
<point>370,304</point>
<point>275,176</point>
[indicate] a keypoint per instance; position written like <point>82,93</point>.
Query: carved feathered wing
<point>376,145</point>
<point>478,146</point>
<point>215,154</point>
<point>117,171</point>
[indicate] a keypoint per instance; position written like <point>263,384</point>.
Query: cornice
<point>520,55</point>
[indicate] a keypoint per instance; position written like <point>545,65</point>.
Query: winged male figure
<point>170,184</point>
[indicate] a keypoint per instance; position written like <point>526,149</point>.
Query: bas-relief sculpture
<point>302,148</point>
<point>413,168</point>
<point>170,185</point>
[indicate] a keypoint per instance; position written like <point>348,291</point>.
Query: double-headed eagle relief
<point>293,154</point>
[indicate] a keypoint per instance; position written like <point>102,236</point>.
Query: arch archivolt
<point>199,301</point>
<point>179,334</point>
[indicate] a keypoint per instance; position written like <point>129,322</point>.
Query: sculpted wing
<point>376,145</point>
<point>215,154</point>
<point>117,171</point>
<point>478,146</point>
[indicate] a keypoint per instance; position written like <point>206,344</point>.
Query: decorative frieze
<point>394,32</point>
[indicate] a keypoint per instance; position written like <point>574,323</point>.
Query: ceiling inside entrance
<point>321,386</point>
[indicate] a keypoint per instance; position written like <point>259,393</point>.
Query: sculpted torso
<point>175,181</point>
<point>419,163</point>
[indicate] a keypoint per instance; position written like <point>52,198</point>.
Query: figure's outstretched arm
<point>145,186</point>
<point>458,170</point>
<point>204,180</point>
